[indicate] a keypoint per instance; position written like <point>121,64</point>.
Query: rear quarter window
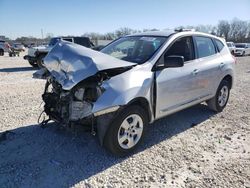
<point>205,46</point>
<point>220,45</point>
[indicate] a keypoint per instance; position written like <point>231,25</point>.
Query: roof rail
<point>181,30</point>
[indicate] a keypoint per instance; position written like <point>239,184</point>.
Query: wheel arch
<point>104,121</point>
<point>229,78</point>
<point>142,102</point>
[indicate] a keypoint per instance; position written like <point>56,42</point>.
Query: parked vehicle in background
<point>31,45</point>
<point>242,49</point>
<point>4,47</point>
<point>18,47</point>
<point>36,54</point>
<point>134,81</point>
<point>98,48</point>
<point>231,47</point>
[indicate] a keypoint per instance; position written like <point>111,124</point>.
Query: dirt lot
<point>192,148</point>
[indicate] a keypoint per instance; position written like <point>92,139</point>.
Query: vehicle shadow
<point>54,157</point>
<point>18,69</point>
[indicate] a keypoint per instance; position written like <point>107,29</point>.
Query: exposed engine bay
<point>75,105</point>
<point>66,106</point>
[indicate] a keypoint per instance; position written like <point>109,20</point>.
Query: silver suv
<point>134,81</point>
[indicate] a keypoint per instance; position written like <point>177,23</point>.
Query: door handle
<point>195,72</point>
<point>222,65</point>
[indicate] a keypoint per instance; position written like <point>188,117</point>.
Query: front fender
<point>123,88</point>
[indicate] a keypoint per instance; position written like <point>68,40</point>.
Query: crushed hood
<point>70,63</point>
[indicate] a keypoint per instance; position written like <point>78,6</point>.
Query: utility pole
<point>42,33</point>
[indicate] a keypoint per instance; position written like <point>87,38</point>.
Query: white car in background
<point>242,49</point>
<point>231,47</point>
<point>18,47</point>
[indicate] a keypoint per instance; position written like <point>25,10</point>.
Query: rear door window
<point>205,46</point>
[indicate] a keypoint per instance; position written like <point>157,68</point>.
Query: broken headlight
<point>88,93</point>
<point>79,94</point>
<point>81,105</point>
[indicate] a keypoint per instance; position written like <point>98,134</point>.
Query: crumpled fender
<point>123,88</point>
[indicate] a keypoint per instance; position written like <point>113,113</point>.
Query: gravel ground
<point>192,148</point>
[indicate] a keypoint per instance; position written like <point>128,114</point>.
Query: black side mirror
<point>173,61</point>
<point>169,61</point>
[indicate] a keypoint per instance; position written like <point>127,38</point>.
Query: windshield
<point>240,45</point>
<point>53,41</point>
<point>136,49</point>
<point>229,44</point>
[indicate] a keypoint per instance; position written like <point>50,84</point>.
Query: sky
<point>76,17</point>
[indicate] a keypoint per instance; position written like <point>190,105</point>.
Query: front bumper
<point>30,58</point>
<point>61,108</point>
<point>239,53</point>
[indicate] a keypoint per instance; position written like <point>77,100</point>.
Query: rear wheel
<point>219,101</point>
<point>127,131</point>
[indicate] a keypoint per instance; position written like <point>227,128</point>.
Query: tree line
<point>235,30</point>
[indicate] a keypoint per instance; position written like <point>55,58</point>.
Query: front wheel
<point>1,52</point>
<point>219,101</point>
<point>126,131</point>
<point>33,64</point>
<point>40,60</point>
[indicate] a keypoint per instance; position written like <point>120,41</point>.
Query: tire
<point>1,52</point>
<point>40,60</point>
<point>219,101</point>
<point>33,64</point>
<point>126,131</point>
<point>243,54</point>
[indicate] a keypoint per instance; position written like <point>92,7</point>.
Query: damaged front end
<point>75,106</point>
<point>73,86</point>
<point>86,87</point>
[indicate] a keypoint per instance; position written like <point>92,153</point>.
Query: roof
<point>70,37</point>
<point>155,33</point>
<point>167,33</point>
